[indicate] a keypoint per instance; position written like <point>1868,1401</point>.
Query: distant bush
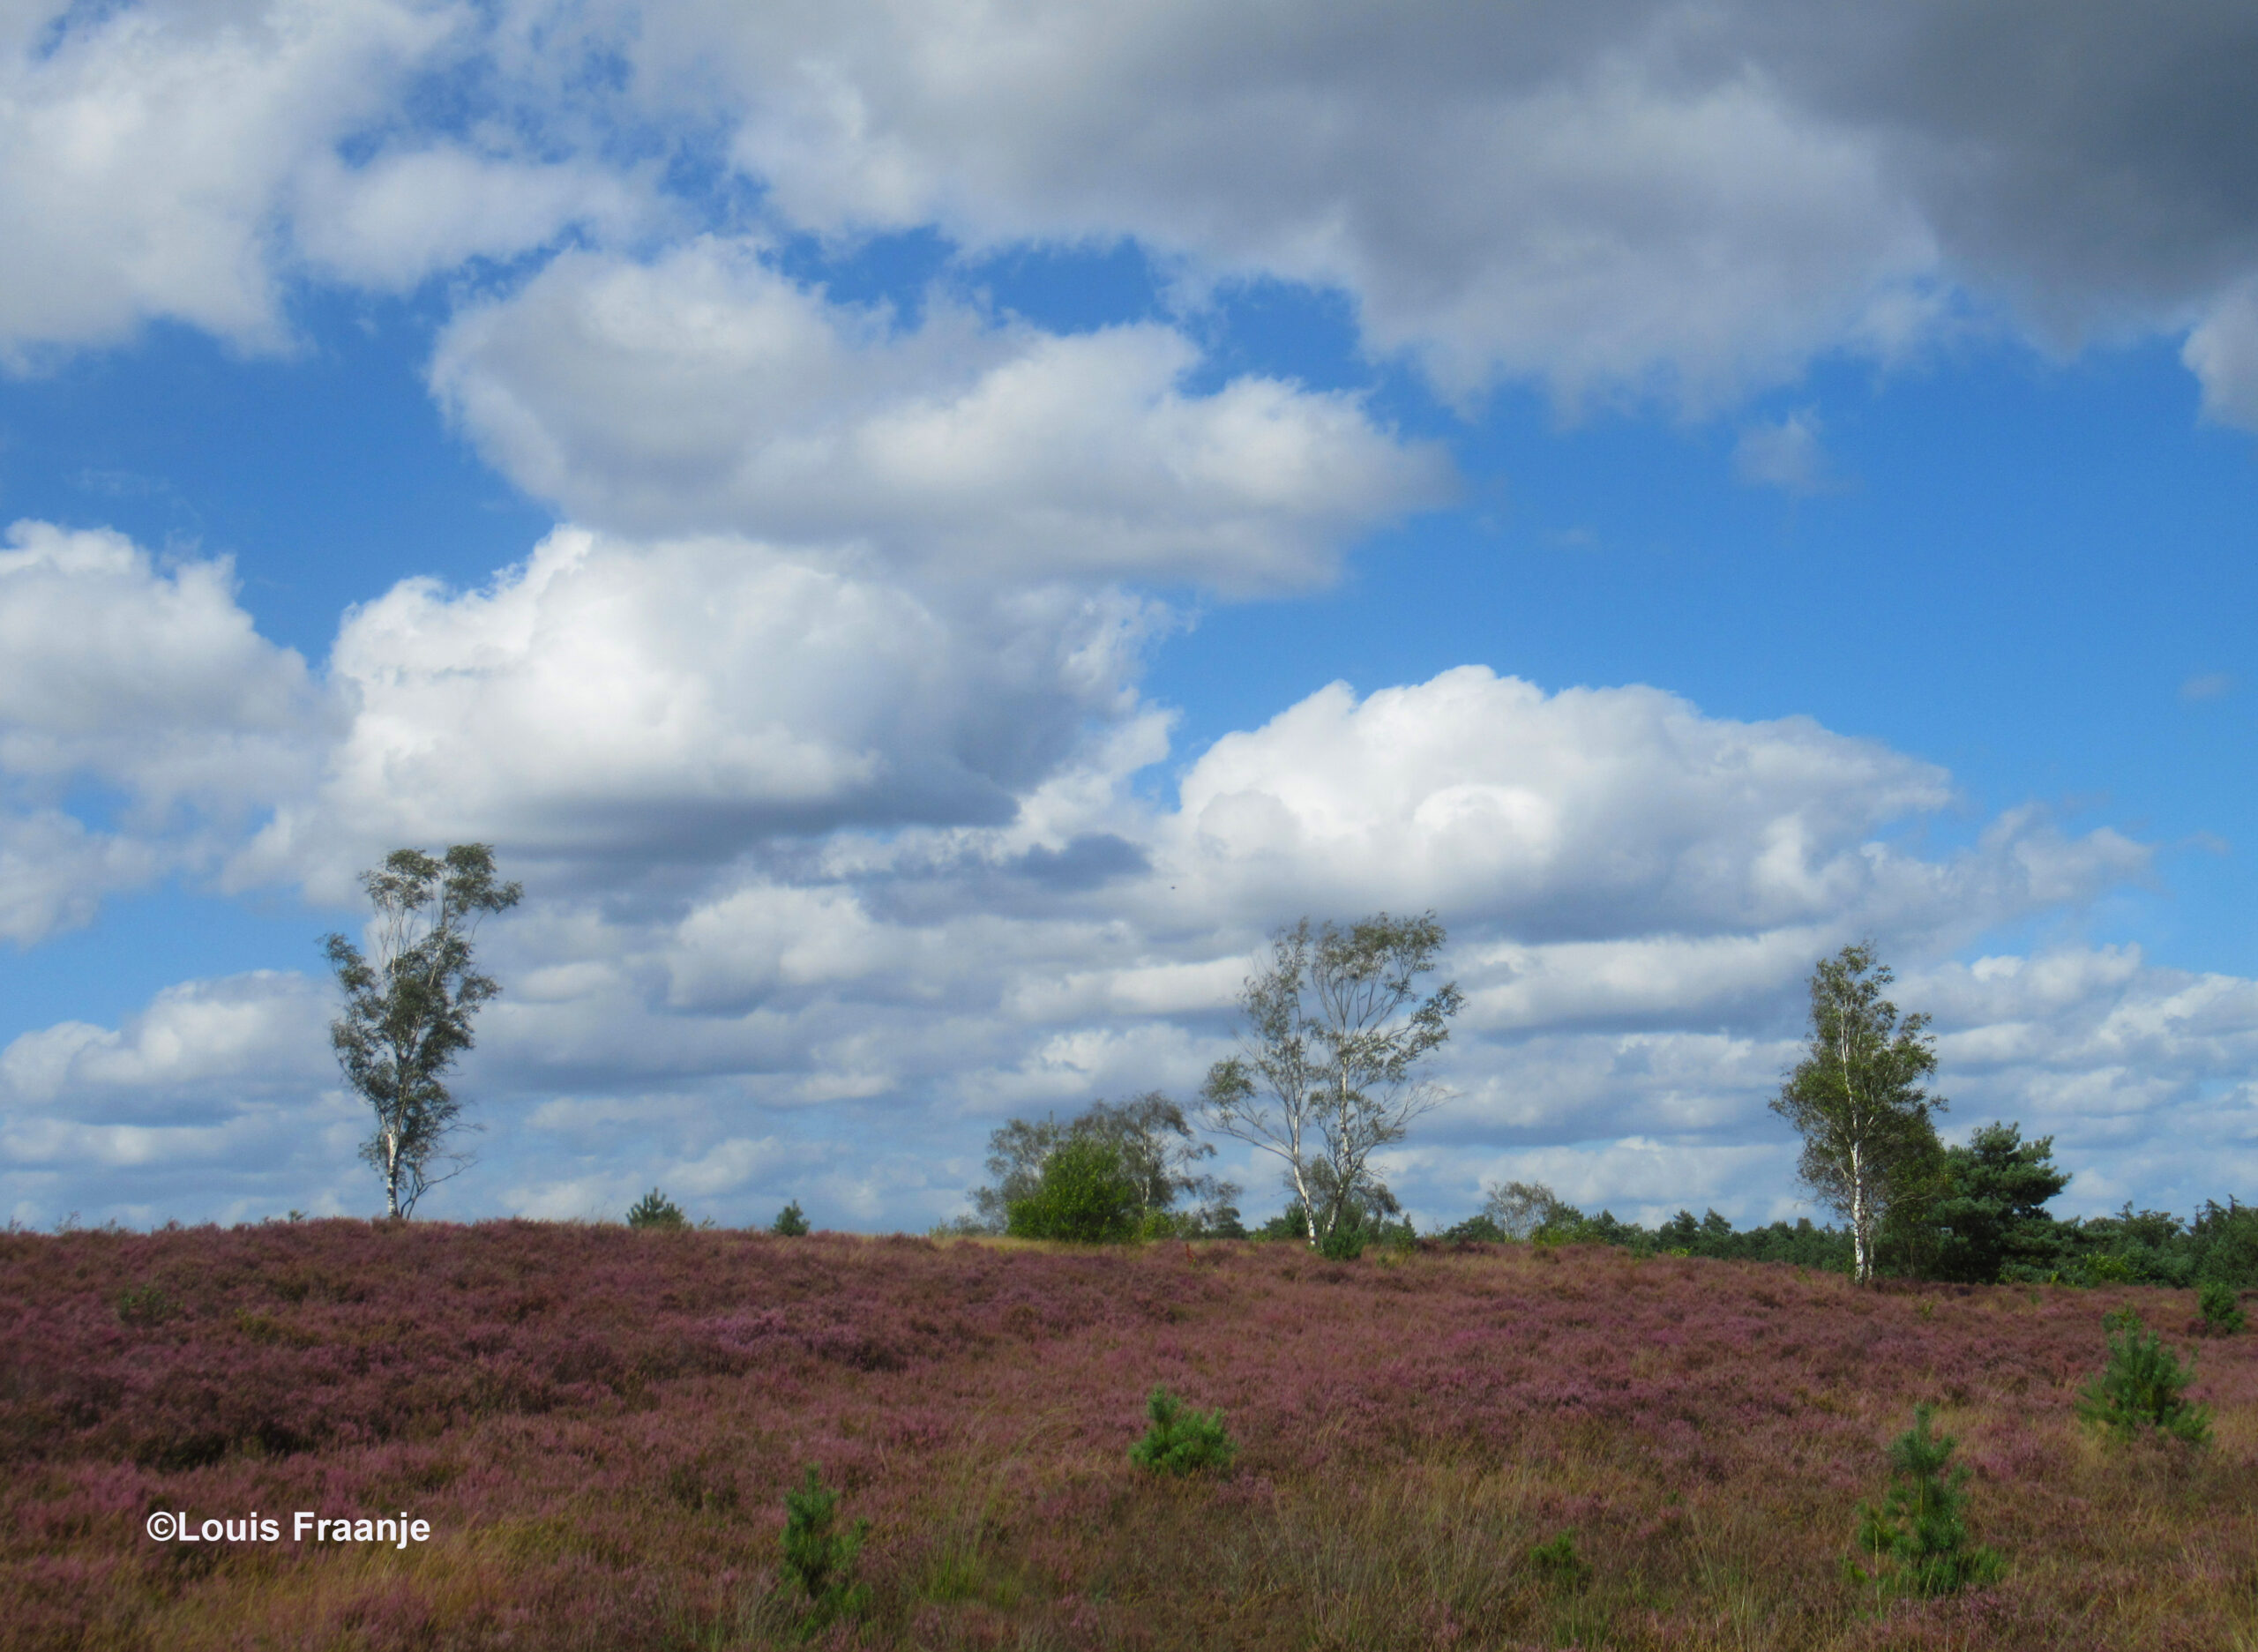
<point>1481,1230</point>
<point>1559,1563</point>
<point>1182,1441</point>
<point>1160,1155</point>
<point>2220,1306</point>
<point>144,1305</point>
<point>655,1209</point>
<point>819,1559</point>
<point>1084,1193</point>
<point>791,1221</point>
<point>2142,1387</point>
<point>1918,1538</point>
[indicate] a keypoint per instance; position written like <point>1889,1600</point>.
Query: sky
<point>924,535</point>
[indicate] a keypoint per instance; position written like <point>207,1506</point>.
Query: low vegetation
<point>1499,1446</point>
<point>1182,1441</point>
<point>2143,1388</point>
<point>1917,1538</point>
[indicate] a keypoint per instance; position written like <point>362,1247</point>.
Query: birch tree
<point>408,1007</point>
<point>1332,1036</point>
<point>1856,1096</point>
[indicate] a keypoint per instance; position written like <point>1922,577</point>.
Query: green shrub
<point>1345,1243</point>
<point>1918,1538</point>
<point>819,1559</point>
<point>2142,1387</point>
<point>2220,1306</point>
<point>791,1221</point>
<point>1559,1563</point>
<point>1181,1440</point>
<point>1085,1194</point>
<point>655,1209</point>
<point>144,1305</point>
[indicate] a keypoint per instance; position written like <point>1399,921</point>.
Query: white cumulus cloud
<point>705,392</point>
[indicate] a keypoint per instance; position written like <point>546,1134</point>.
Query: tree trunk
<point>1309,1206</point>
<point>1860,1266</point>
<point>391,1175</point>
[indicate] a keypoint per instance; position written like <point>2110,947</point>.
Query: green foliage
<point>1351,1237</point>
<point>1918,1538</point>
<point>408,1009</point>
<point>1992,1211</point>
<point>655,1209</point>
<point>791,1221</point>
<point>1856,1097</point>
<point>144,1305</point>
<point>1530,1210</point>
<point>1158,1154</point>
<point>1559,1563</point>
<point>1479,1230</point>
<point>2220,1306</point>
<point>1085,1194</point>
<point>2143,1387</point>
<point>2153,1247</point>
<point>821,1559</point>
<point>1182,1441</point>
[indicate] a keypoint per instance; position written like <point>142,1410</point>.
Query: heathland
<point>1486,1446</point>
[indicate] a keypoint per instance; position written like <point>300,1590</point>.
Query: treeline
<point>1974,1213</point>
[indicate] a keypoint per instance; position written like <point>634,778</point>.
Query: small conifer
<point>1182,1441</point>
<point>1919,1536</point>
<point>2143,1387</point>
<point>821,1559</point>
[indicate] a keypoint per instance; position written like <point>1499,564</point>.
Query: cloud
<point>1598,196</point>
<point>144,152</point>
<point>2207,685</point>
<point>1589,812</point>
<point>194,1043</point>
<point>405,216</point>
<point>186,161</point>
<point>155,678</point>
<point>705,392</point>
<point>1615,200</point>
<point>149,684</point>
<point>2222,351</point>
<point>1787,455</point>
<point>54,873</point>
<point>807,839</point>
<point>1635,891</point>
<point>689,699</point>
<point>1619,200</point>
<point>218,1100</point>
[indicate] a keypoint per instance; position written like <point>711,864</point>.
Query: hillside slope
<point>598,1426</point>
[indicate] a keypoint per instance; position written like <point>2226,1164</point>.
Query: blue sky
<point>802,488</point>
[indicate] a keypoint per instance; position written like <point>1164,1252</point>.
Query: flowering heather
<point>600,1426</point>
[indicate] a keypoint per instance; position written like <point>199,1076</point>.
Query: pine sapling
<point>1182,1441</point>
<point>791,1221</point>
<point>2143,1387</point>
<point>819,1559</point>
<point>655,1209</point>
<point>2220,1306</point>
<point>1559,1563</point>
<point>1919,1536</point>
